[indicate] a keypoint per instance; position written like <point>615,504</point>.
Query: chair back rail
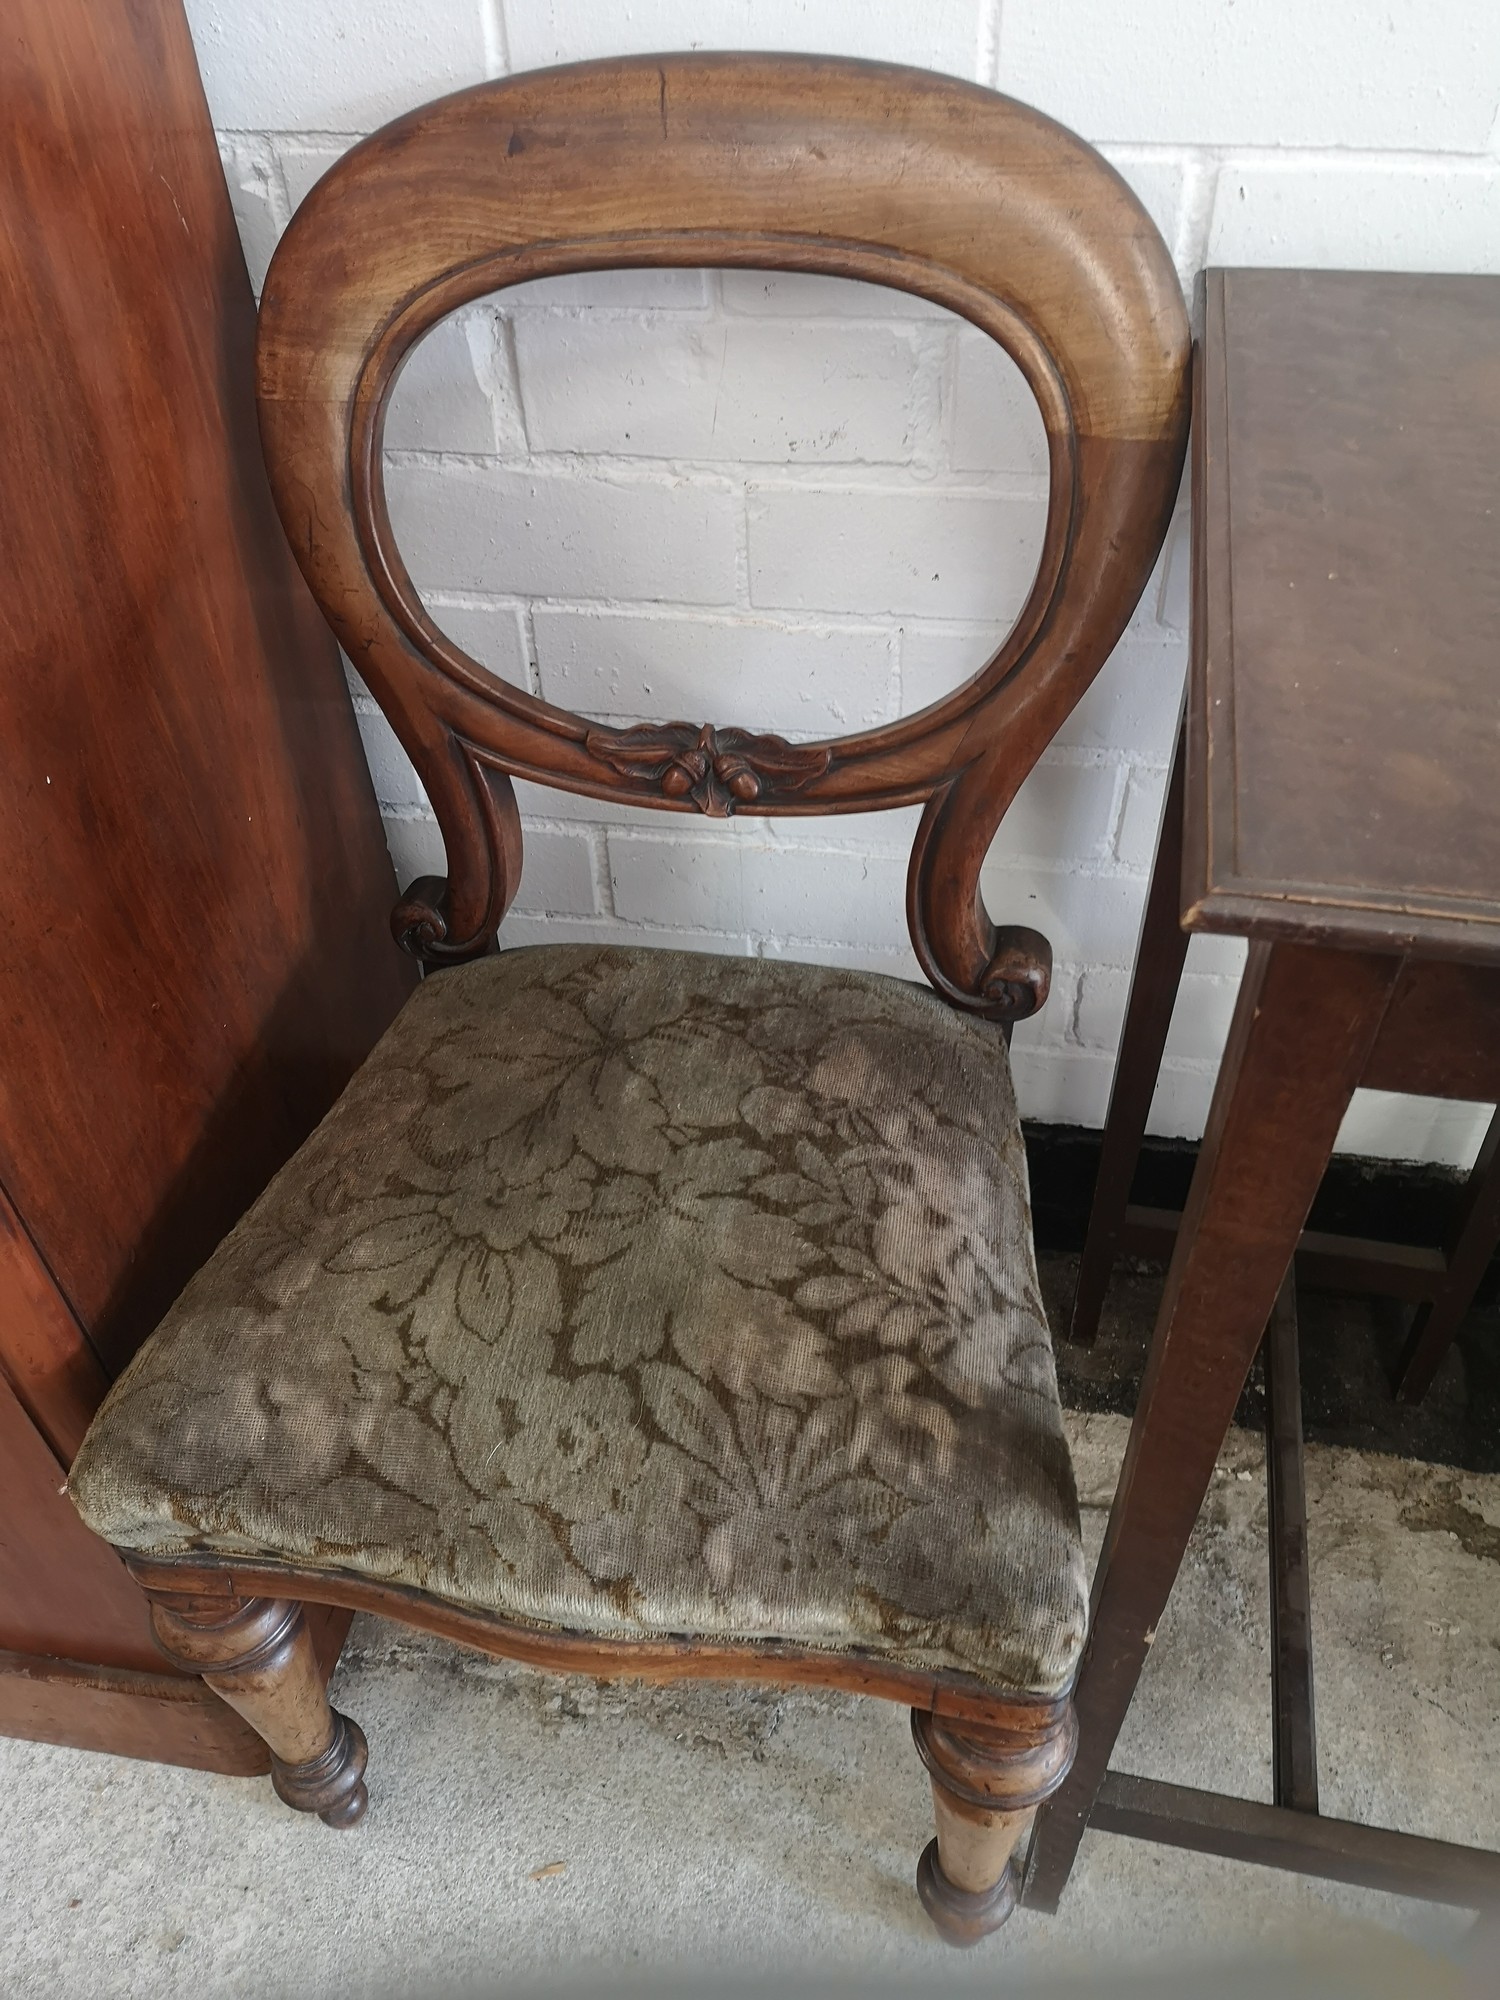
<point>786,163</point>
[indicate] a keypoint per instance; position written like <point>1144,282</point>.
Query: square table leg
<point>1303,1028</point>
<point>1159,960</point>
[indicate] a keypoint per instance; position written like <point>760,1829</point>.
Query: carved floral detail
<point>718,769</point>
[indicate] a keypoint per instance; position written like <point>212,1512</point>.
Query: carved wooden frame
<point>789,163</point>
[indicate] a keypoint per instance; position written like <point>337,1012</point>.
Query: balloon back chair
<point>643,1313</point>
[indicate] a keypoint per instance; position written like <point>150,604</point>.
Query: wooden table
<point>1335,801</point>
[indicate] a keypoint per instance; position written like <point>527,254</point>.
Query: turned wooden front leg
<point>257,1654</point>
<point>986,1786</point>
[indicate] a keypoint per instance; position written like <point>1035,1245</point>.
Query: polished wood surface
<point>63,1593</point>
<point>45,1353</point>
<point>788,163</point>
<point>1339,793</point>
<point>259,1658</point>
<point>993,1758</point>
<point>160,1715</point>
<point>1440,1037</point>
<point>193,854</point>
<point>77,1660</point>
<point>1350,553</point>
<point>986,1786</point>
<point>783,163</point>
<point>191,846</point>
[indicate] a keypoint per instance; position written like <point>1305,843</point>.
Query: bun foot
<point>333,1785</point>
<point>987,1781</point>
<point>962,1916</point>
<point>257,1654</point>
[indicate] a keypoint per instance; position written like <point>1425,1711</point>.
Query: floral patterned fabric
<point>638,1293</point>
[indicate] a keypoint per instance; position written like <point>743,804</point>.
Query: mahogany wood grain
<point>986,1786</point>
<point>63,1592</point>
<point>193,853</point>
<point>993,1757</point>
<point>78,1661</point>
<point>45,1354</point>
<point>1441,1036</point>
<point>259,1658</point>
<point>864,171</point>
<point>192,850</point>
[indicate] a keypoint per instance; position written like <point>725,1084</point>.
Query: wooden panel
<point>63,1592</point>
<point>163,1716</point>
<point>1441,1037</point>
<point>1341,779</point>
<point>43,1350</point>
<point>196,881</point>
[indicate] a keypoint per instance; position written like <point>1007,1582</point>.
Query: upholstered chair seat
<point>643,1294</point>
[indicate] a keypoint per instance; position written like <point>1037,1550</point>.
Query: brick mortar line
<point>494,32</point>
<point>836,476</point>
<point>1082,868</point>
<point>650,610</point>
<point>316,139</point>
<point>1166,638</point>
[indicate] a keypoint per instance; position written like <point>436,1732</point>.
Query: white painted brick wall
<point>816,677</point>
<point>559,531</point>
<point>720,388</point>
<point>799,504</point>
<point>899,551</point>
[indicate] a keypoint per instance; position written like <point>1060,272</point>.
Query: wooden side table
<point>1336,803</point>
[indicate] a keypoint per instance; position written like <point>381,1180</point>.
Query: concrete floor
<point>525,1828</point>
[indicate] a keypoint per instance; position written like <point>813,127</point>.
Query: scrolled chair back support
<point>786,163</point>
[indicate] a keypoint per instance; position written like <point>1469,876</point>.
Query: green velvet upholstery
<point>638,1293</point>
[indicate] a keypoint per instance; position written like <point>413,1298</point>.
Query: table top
<point>1343,771</point>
